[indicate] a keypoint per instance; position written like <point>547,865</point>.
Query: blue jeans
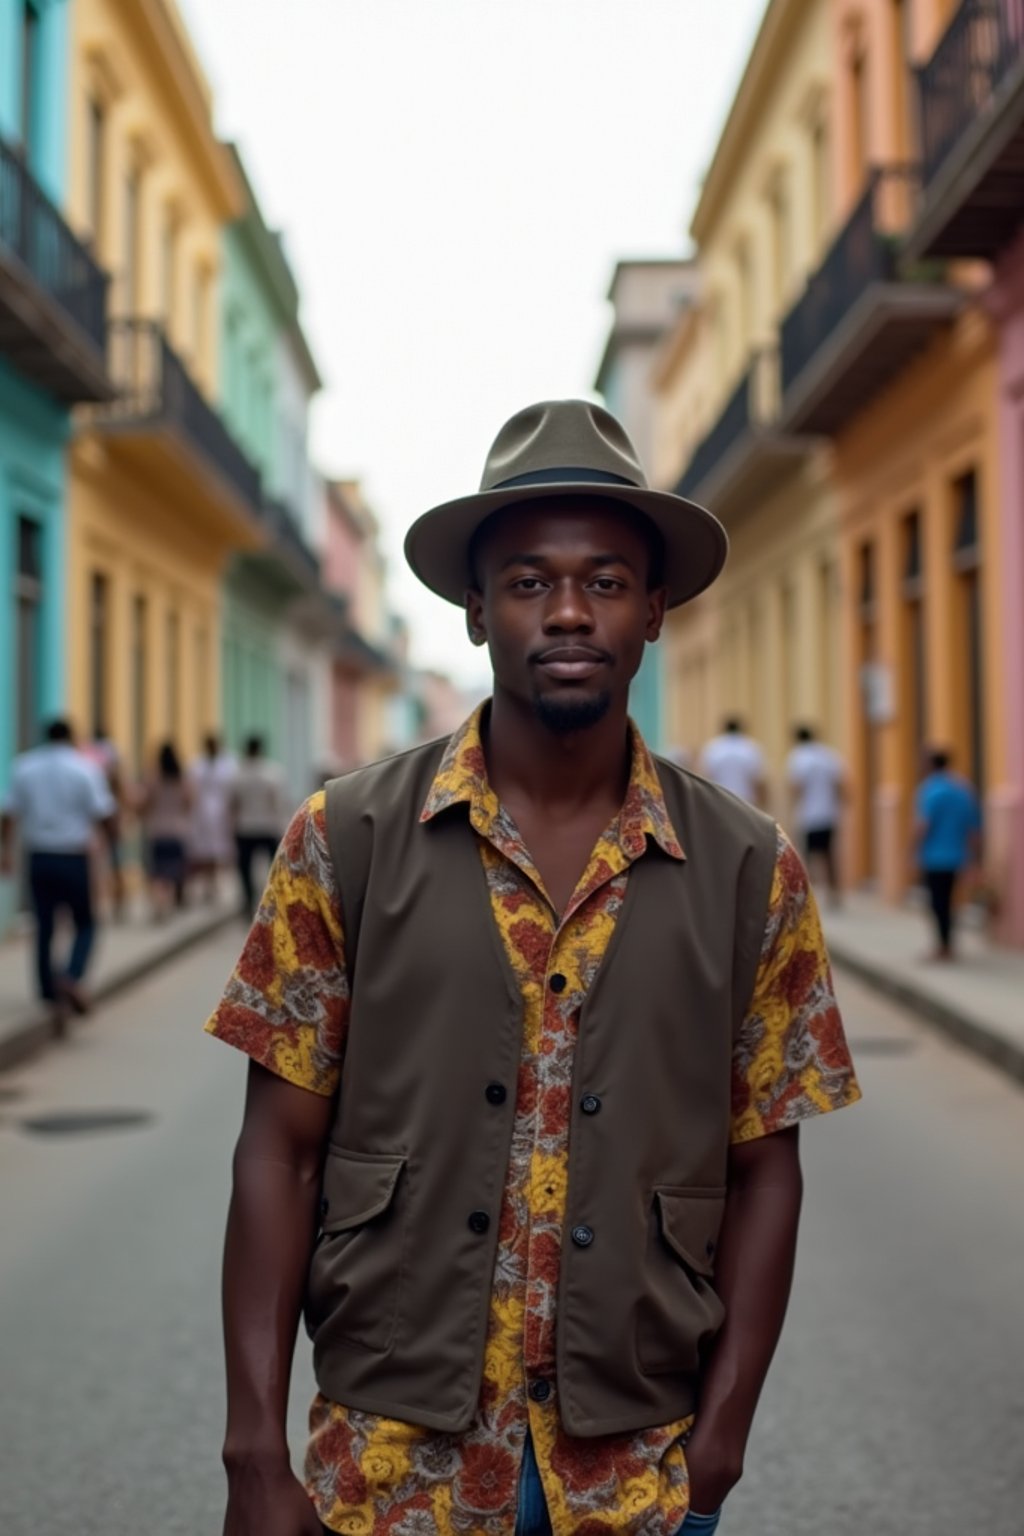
<point>532,1519</point>
<point>61,880</point>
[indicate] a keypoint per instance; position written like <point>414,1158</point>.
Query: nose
<point>568,610</point>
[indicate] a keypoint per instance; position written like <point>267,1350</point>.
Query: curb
<point>972,1033</point>
<point>33,1030</point>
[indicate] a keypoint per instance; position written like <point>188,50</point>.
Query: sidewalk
<point>125,951</point>
<point>978,999</point>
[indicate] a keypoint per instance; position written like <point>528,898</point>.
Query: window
<point>28,596</point>
<point>745,283</point>
<point>99,652</point>
<point>901,54</point>
<point>200,291</point>
<point>860,112</point>
<point>139,657</point>
<point>132,235</point>
<point>173,676</point>
<point>912,669</point>
<point>968,618</point>
<point>782,253</point>
<point>820,181</point>
<point>96,141</point>
<point>168,267</point>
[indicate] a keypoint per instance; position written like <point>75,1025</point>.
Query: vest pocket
<point>354,1276</point>
<point>680,1309</point>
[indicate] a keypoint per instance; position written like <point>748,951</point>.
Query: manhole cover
<point>882,1045</point>
<point>84,1122</point>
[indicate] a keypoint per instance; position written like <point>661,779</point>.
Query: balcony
<point>971,95</point>
<point>745,456</point>
<point>288,549</point>
<point>859,322</point>
<point>161,421</point>
<point>52,294</point>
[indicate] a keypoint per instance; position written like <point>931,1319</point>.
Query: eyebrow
<point>595,560</point>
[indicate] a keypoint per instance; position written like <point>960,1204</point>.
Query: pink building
<point>361,674</point>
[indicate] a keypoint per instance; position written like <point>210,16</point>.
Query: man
<point>947,839</point>
<point>816,780</point>
<point>57,797</point>
<point>735,761</point>
<point>102,751</point>
<point>532,1020</point>
<point>259,811</point>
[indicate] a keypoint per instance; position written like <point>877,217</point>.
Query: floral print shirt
<point>286,1006</point>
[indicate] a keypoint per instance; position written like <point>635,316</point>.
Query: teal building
<point>52,356</point>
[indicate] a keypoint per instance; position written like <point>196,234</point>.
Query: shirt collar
<point>462,779</point>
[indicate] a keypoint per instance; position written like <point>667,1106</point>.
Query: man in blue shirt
<point>947,836</point>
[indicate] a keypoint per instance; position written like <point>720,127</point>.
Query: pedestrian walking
<point>103,751</point>
<point>166,811</point>
<point>212,842</point>
<point>947,841</point>
<point>816,778</point>
<point>259,806</point>
<point>550,1202</point>
<point>736,762</point>
<point>57,798</point>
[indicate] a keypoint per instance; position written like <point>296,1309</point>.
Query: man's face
<point>562,601</point>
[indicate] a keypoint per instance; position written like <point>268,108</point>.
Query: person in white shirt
<point>260,812</point>
<point>817,784</point>
<point>736,762</point>
<point>57,797</point>
<point>212,777</point>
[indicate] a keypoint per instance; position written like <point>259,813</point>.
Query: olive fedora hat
<point>560,448</point>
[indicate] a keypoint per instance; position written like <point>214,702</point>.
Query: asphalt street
<point>896,1404</point>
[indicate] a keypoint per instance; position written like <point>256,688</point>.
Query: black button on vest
<point>496,1093</point>
<point>590,1103</point>
<point>540,1391</point>
<point>557,982</point>
<point>479,1221</point>
<point>582,1236</point>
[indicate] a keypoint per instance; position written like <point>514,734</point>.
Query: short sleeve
<point>791,1060</point>
<point>287,1002</point>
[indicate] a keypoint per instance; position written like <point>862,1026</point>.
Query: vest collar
<point>462,779</point>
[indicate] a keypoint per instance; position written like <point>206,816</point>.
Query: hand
<point>267,1499</point>
<point>713,1467</point>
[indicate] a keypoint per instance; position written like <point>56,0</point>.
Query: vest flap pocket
<point>689,1220</point>
<point>356,1187</point>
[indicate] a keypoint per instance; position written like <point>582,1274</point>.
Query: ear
<point>475,617</point>
<point>656,601</point>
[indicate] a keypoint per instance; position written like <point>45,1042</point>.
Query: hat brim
<point>696,544</point>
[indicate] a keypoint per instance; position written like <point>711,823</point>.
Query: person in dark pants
<point>947,839</point>
<point>57,797</point>
<point>260,810</point>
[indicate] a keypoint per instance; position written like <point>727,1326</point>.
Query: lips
<point>571,662</point>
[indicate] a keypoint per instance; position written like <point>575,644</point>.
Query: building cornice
<point>779,23</point>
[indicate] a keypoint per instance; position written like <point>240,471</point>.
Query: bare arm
<point>271,1228</point>
<point>753,1277</point>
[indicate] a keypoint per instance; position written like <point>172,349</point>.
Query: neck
<point>527,759</point>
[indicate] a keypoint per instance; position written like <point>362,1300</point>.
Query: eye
<point>607,584</point>
<point>527,584</point>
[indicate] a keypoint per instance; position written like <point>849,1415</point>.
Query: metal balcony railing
<point>32,228</point>
<point>753,403</point>
<point>155,386</point>
<point>864,252</point>
<point>979,48</point>
<point>287,534</point>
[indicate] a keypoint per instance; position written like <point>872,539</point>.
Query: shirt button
<point>540,1391</point>
<point>557,982</point>
<point>582,1236</point>
<point>479,1221</point>
<point>590,1103</point>
<point>496,1093</point>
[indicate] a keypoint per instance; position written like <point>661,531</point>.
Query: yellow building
<point>159,494</point>
<point>896,360</point>
<point>763,643</point>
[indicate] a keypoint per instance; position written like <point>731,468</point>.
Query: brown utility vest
<point>400,1281</point>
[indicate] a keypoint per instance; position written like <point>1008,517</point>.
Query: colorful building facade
<point>646,299</point>
<point>52,356</point>
<point>763,644</point>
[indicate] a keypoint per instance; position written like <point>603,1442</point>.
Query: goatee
<point>563,713</point>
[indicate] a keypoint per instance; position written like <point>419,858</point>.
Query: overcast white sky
<point>456,179</point>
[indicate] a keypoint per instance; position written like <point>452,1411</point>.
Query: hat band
<point>564,477</point>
